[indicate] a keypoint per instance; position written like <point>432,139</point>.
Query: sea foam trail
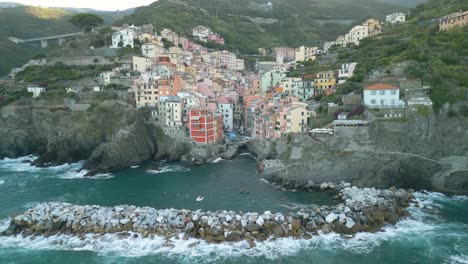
<point>217,160</point>
<point>2,182</point>
<point>168,168</point>
<point>65,171</point>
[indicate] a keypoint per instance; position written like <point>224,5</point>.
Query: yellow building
<point>297,118</point>
<point>325,80</point>
<point>254,87</point>
<point>145,90</point>
<point>373,26</point>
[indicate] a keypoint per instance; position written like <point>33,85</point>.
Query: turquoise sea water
<point>436,233</point>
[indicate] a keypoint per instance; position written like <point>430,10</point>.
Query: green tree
<point>86,21</point>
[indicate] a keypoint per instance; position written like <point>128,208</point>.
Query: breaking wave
<point>65,171</point>
<point>168,168</point>
<point>458,259</point>
<point>217,160</point>
<point>19,164</point>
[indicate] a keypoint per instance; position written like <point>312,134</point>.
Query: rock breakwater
<point>362,210</point>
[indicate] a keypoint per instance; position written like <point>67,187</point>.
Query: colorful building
<point>457,19</point>
<point>205,126</point>
<point>325,80</point>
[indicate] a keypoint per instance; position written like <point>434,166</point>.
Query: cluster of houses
<point>371,27</point>
<point>203,93</point>
<point>205,34</point>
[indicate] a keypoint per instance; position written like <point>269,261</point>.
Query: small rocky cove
<point>361,210</point>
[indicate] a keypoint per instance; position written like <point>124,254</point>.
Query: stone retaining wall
<point>362,210</point>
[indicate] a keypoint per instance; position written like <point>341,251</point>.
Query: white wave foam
<point>430,198</point>
<point>2,182</point>
<point>217,160</point>
<point>134,167</point>
<point>246,154</point>
<point>102,176</point>
<point>65,171</point>
<point>18,164</point>
<point>168,168</point>
<point>4,224</point>
<point>458,259</point>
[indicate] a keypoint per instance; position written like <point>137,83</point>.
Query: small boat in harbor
<point>243,191</point>
<point>200,198</point>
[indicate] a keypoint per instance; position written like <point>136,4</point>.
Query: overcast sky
<point>95,4</point>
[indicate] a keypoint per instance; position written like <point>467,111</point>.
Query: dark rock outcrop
<point>130,146</point>
<point>109,137</point>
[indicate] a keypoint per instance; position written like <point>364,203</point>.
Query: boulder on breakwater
<point>362,210</point>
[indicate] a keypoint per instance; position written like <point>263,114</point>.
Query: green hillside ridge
<point>31,21</point>
<point>298,19</point>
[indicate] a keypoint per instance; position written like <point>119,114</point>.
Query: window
<point>382,92</point>
<point>373,92</point>
<point>373,101</point>
<point>393,92</point>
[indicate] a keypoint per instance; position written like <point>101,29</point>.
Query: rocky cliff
<point>109,136</point>
<point>421,152</point>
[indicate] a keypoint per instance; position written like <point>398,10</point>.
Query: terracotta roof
<point>381,86</point>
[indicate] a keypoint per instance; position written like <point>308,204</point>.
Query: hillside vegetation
<point>30,22</point>
<point>440,59</point>
<point>299,22</point>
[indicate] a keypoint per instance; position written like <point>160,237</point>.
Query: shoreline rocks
<point>361,210</point>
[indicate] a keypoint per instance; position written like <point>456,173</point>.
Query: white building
<point>97,89</point>
<point>106,77</point>
<point>201,32</point>
<point>141,64</point>
<point>227,110</point>
<point>346,72</point>
<point>151,50</point>
<point>381,95</point>
<point>356,34</point>
<point>289,85</point>
<point>396,18</point>
<point>172,111</point>
<point>36,91</point>
<point>305,53</point>
<point>124,36</point>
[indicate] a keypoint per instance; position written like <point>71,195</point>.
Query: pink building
<point>216,38</point>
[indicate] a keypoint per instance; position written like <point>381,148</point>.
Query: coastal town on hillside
<point>209,95</point>
<point>234,131</point>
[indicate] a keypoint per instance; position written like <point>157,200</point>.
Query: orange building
<point>164,87</point>
<point>170,87</point>
<point>205,126</point>
<point>457,19</point>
